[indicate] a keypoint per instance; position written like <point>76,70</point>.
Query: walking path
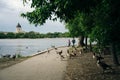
<point>47,66</point>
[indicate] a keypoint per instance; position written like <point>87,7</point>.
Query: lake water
<point>27,47</point>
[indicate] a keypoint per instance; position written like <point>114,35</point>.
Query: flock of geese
<point>99,59</point>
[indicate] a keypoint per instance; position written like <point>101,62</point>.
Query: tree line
<point>31,34</point>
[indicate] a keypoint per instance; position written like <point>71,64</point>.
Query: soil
<point>84,67</point>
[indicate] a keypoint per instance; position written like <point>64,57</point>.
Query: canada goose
<point>97,57</point>
<point>80,52</point>
<point>48,50</point>
<point>73,54</point>
<point>62,56</point>
<point>54,47</point>
<point>103,65</point>
<point>14,57</point>
<point>94,56</point>
<point>68,51</point>
<point>5,56</point>
<point>59,52</point>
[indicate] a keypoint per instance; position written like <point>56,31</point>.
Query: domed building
<point>18,28</point>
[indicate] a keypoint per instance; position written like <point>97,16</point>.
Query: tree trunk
<point>81,41</point>
<point>114,55</point>
<point>90,46</point>
<point>86,43</point>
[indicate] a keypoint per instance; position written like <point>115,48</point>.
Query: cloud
<point>10,16</point>
<point>14,6</point>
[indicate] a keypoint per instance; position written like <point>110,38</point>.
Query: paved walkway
<point>47,66</point>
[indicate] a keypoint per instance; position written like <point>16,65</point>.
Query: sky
<point>10,11</point>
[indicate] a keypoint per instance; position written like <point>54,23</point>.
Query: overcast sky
<point>10,11</point>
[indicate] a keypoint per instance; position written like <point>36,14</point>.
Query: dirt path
<point>47,66</point>
<point>84,67</point>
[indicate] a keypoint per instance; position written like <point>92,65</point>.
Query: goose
<point>103,65</point>
<point>59,52</point>
<point>97,57</point>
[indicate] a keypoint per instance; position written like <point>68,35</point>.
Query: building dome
<point>18,26</point>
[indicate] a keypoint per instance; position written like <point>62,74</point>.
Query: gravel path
<point>47,66</point>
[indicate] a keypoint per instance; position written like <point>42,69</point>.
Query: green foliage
<point>33,35</point>
<point>19,56</point>
<point>75,26</point>
<point>80,25</point>
<point>10,35</point>
<point>106,21</point>
<point>65,10</point>
<point>19,35</point>
<point>97,19</point>
<point>96,49</point>
<point>2,35</point>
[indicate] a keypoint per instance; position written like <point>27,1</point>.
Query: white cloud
<point>10,16</point>
<point>15,5</point>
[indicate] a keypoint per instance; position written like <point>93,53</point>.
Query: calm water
<point>28,47</point>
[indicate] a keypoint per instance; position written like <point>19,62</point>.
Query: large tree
<point>106,29</point>
<point>65,10</point>
<point>103,17</point>
<point>74,27</point>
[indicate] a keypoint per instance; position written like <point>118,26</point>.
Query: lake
<point>27,47</point>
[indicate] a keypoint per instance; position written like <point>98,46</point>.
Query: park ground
<point>84,67</point>
<point>45,66</point>
<point>80,67</point>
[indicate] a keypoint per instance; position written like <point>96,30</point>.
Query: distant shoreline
<point>33,35</point>
<point>38,38</point>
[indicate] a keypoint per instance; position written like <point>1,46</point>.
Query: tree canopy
<point>97,19</point>
<point>63,9</point>
<point>100,18</point>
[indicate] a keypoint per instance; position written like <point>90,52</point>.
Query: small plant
<point>19,56</point>
<point>96,49</point>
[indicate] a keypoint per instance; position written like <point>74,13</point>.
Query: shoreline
<point>5,62</point>
<point>48,66</point>
<point>46,50</point>
<point>37,38</point>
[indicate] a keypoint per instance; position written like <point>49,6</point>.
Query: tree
<point>20,35</point>
<point>2,35</point>
<point>64,9</point>
<point>10,35</point>
<point>103,17</point>
<point>74,27</point>
<point>107,21</point>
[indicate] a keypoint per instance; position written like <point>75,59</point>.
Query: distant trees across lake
<point>12,35</point>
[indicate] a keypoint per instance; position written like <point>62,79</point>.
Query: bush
<point>19,56</point>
